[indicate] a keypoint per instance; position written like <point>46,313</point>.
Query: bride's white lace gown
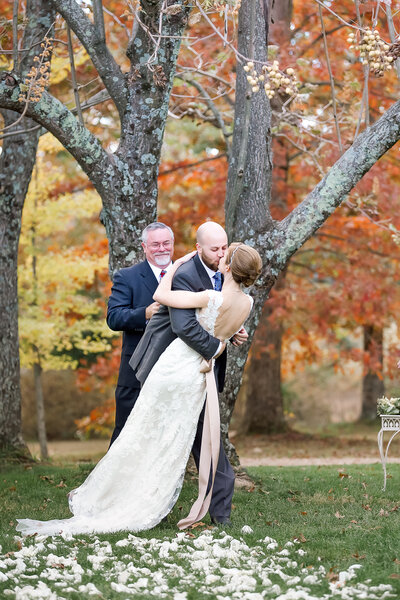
<point>138,481</point>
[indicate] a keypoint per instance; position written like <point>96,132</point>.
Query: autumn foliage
<point>342,280</point>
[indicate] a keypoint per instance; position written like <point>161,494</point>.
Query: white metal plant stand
<point>388,423</point>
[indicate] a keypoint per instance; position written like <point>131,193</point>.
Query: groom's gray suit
<point>163,328</point>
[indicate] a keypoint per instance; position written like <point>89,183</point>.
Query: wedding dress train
<point>138,481</point>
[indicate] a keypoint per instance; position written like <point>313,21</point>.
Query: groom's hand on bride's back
<point>221,349</point>
<point>152,309</point>
<point>240,337</point>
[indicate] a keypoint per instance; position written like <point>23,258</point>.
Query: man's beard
<point>212,266</point>
<point>163,260</point>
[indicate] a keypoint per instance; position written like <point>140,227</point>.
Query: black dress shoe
<point>221,522</point>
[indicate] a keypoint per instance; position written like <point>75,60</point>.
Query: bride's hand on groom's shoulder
<point>183,259</point>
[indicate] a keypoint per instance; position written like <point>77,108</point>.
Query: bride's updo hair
<point>245,263</point>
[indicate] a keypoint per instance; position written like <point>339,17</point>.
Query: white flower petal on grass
<point>180,596</point>
<point>247,529</point>
<point>269,540</point>
<point>89,589</point>
<point>97,561</point>
<point>293,580</point>
<point>297,595</point>
<point>41,592</point>
<point>272,546</point>
<point>122,589</point>
<point>215,563</point>
<point>141,583</point>
<point>275,590</point>
<point>122,543</point>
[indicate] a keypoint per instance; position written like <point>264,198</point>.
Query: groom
<point>198,274</point>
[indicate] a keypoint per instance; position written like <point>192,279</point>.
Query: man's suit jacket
<point>132,291</point>
<point>167,324</point>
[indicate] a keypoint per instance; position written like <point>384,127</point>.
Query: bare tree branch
<point>73,76</point>
<point>308,216</point>
<point>392,34</point>
<point>332,82</point>
<point>15,34</point>
<point>100,55</point>
<point>193,164</point>
<point>211,106</point>
<point>56,118</point>
<point>318,38</point>
<point>364,99</point>
<point>97,6</point>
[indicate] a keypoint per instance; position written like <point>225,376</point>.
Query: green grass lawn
<point>340,517</point>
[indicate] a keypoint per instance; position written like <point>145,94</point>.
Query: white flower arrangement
<point>388,406</point>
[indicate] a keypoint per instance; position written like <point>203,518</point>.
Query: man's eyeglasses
<point>156,245</point>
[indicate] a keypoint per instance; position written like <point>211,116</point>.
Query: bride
<point>138,481</point>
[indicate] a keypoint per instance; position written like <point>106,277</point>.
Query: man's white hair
<point>152,227</point>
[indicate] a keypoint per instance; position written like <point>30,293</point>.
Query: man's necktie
<point>163,271</point>
<point>217,281</point>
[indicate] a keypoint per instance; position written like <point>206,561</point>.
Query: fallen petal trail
<point>213,564</point>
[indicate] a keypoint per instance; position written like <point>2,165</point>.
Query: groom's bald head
<point>212,243</point>
<point>209,229</point>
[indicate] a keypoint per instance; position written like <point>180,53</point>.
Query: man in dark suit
<point>198,274</point>
<point>131,307</point>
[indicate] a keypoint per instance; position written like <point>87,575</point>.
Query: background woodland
<point>306,170</point>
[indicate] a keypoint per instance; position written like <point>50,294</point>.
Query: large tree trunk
<point>248,186</point>
<point>40,411</point>
<point>264,400</point>
<point>16,163</point>
<point>126,180</point>
<point>372,386</point>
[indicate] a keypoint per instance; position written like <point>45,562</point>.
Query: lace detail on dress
<point>207,316</point>
<point>136,484</point>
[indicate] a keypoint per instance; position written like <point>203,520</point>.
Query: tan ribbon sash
<point>209,452</point>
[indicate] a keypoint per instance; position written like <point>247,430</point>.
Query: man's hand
<point>152,309</point>
<point>223,346</point>
<point>398,365</point>
<point>240,337</point>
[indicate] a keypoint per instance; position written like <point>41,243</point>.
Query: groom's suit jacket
<point>132,291</point>
<point>167,324</point>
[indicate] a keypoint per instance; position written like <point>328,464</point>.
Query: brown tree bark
<point>16,163</point>
<point>40,411</point>
<point>373,386</point>
<point>264,399</point>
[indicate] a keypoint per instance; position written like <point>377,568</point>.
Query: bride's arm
<point>179,298</point>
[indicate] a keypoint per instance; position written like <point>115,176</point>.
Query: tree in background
<point>305,143</point>
<point>62,274</point>
<point>19,143</point>
<point>126,179</point>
